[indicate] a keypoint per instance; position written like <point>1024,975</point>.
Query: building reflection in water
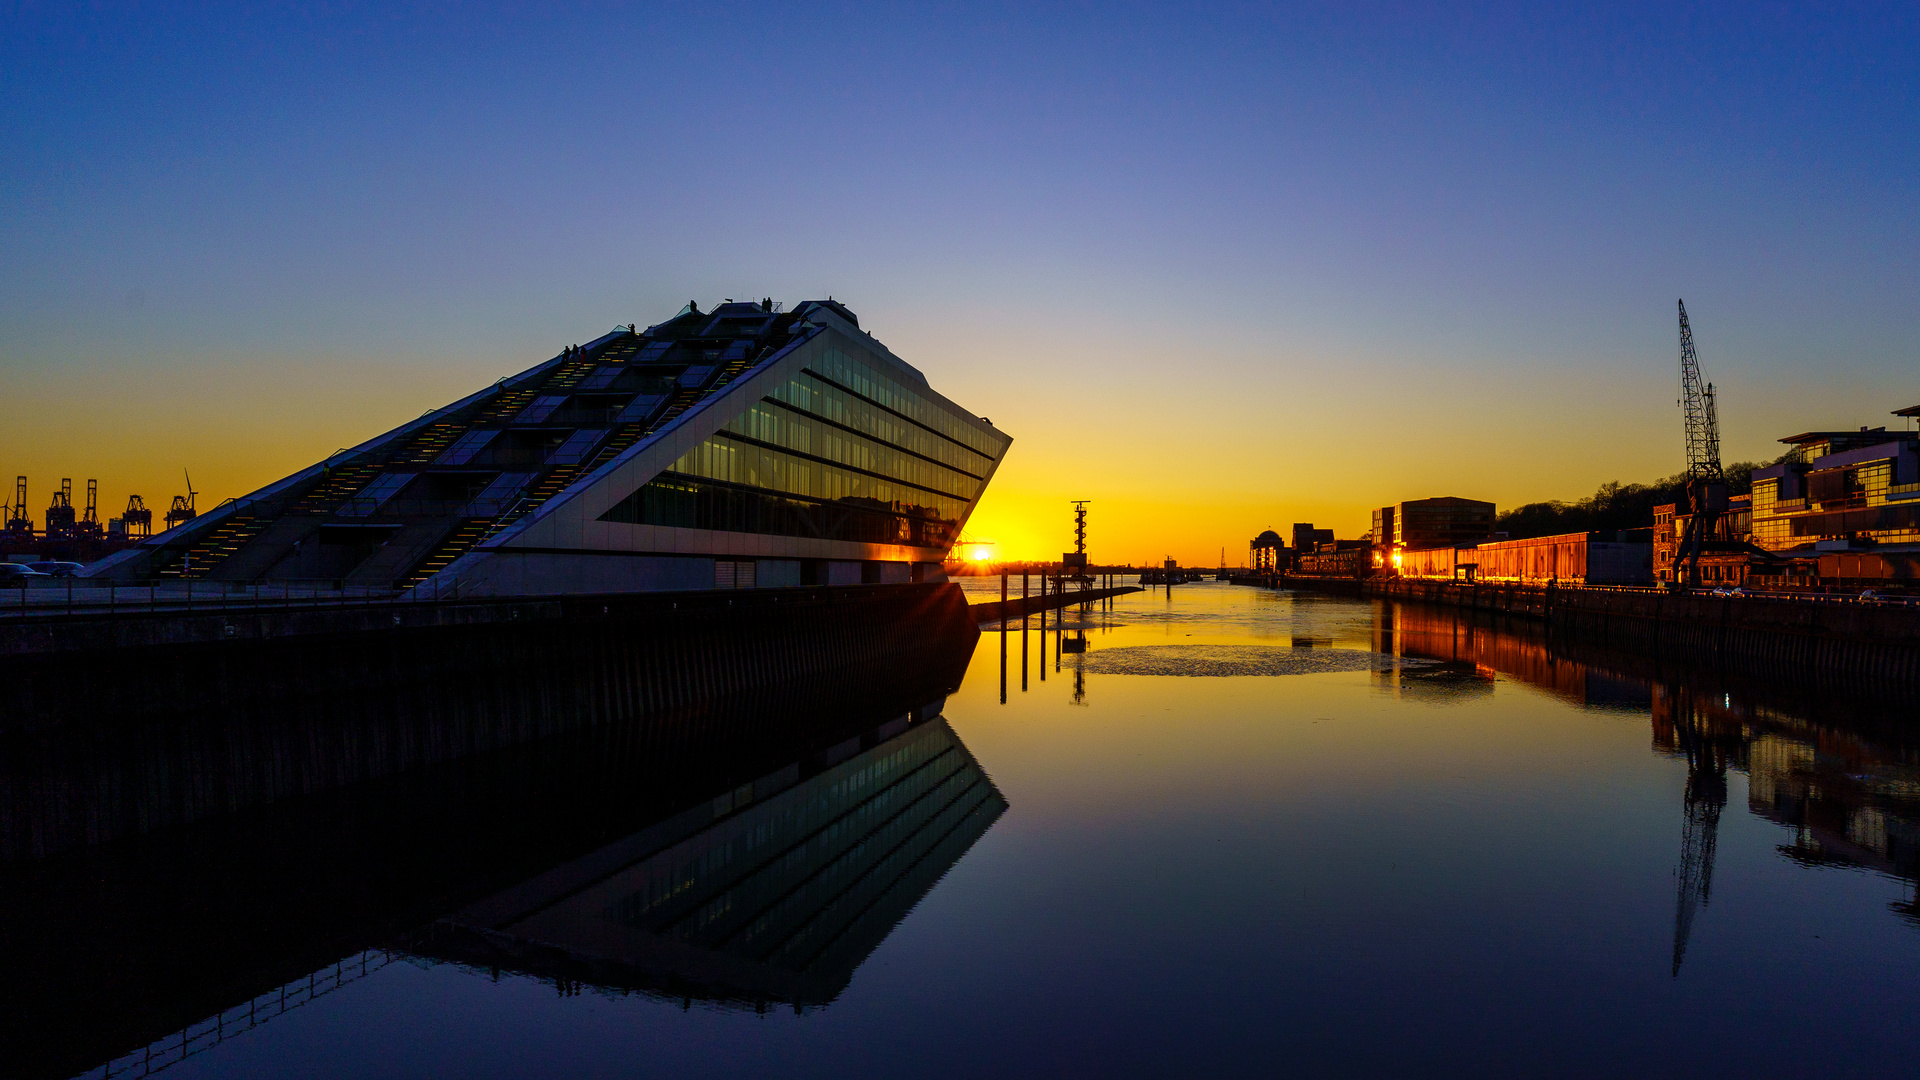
<point>774,892</point>
<point>757,863</point>
<point>1844,776</point>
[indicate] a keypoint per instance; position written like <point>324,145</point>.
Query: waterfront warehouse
<point>1583,558</point>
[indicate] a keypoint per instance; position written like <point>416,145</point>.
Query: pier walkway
<point>1019,606</point>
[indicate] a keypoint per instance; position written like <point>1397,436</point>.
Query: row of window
<point>1819,511</point>
<point>691,503</point>
<point>817,438</point>
<point>864,377</point>
<point>728,461</point>
<point>734,852</point>
<point>810,393</point>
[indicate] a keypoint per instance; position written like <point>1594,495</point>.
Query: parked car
<point>18,575</point>
<point>56,568</point>
<point>1877,596</point>
<point>1729,590</point>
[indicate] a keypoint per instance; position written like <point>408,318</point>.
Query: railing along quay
<point>78,596</point>
<point>176,613</point>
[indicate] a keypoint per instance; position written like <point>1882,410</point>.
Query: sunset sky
<point>1215,268</point>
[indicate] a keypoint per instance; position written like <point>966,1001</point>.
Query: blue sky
<point>1219,268</point>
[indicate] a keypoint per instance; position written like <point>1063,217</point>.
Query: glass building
<point>746,447</point>
<point>1840,488</point>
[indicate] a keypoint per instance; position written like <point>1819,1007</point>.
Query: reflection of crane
<point>1706,797</point>
<point>1706,484</point>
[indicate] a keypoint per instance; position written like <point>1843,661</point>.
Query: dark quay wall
<point>97,744</point>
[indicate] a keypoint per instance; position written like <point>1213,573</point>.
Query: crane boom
<point>1706,482</point>
<point>1703,419</point>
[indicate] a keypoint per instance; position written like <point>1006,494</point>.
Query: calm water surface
<point>1241,832</point>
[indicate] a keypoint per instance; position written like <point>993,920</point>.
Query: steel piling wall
<point>1816,643</point>
<point>100,744</point>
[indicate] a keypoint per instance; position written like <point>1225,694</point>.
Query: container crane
<point>138,519</point>
<point>183,510</point>
<point>88,527</point>
<point>60,516</point>
<point>17,519</point>
<point>1706,483</point>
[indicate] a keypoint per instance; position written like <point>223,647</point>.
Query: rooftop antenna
<point>1706,483</point>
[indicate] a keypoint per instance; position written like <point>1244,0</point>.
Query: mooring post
<point>1003,650</point>
<point>1023,651</point>
<point>1043,632</point>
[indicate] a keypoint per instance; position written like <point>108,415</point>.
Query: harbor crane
<point>17,519</point>
<point>1706,495</point>
<point>138,519</point>
<point>60,516</point>
<point>88,527</point>
<point>183,509</point>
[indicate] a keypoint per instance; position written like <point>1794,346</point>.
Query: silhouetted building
<point>747,447</point>
<point>1434,522</point>
<point>1336,558</point>
<point>1307,538</point>
<point>1267,553</point>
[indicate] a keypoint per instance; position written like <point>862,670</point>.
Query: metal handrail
<point>80,596</point>
<point>197,1038</point>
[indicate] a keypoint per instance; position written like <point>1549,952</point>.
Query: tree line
<point>1614,506</point>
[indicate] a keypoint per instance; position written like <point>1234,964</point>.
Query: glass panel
<point>376,494</point>
<point>692,503</point>
<point>807,435</point>
<point>541,408</point>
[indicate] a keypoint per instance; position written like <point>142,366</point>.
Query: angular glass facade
<point>841,451</point>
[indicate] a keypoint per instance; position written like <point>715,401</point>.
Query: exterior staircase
<point>214,548</point>
<point>387,566</point>
<point>336,488</point>
<point>549,486</point>
<point>428,444</point>
<point>454,546</point>
<point>504,408</point>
